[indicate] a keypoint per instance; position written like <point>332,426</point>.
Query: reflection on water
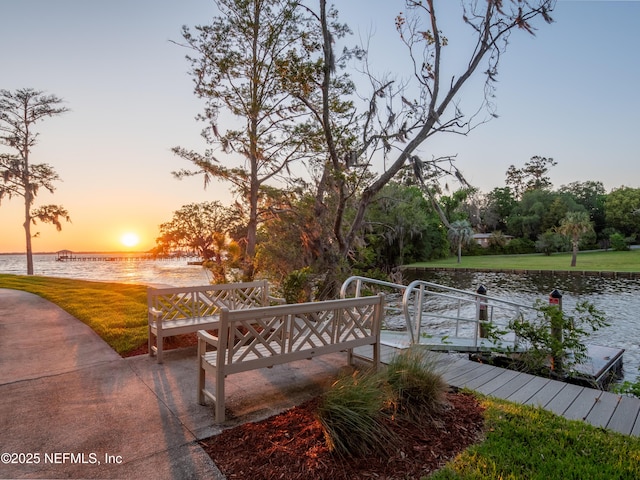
<point>617,297</point>
<point>146,272</point>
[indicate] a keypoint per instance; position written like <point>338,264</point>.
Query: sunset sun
<point>129,239</point>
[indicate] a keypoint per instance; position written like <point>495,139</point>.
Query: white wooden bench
<point>268,336</point>
<point>180,310</point>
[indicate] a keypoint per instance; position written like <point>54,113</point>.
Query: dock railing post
<point>555,299</point>
<point>482,312</point>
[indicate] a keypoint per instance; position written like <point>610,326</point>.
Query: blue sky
<point>569,93</point>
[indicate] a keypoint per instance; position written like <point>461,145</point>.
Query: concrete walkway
<point>70,407</point>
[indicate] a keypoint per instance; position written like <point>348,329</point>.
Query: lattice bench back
<point>204,301</point>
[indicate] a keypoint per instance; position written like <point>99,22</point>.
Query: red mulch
<point>291,446</point>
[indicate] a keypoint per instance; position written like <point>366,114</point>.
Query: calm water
<point>618,298</point>
<point>146,272</point>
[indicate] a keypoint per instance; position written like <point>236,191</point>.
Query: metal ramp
<point>443,343</point>
<point>447,319</point>
<point>443,318</point>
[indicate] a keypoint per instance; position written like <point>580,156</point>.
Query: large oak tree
<point>399,119</point>
<point>274,65</point>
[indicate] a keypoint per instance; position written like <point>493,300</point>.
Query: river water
<point>618,298</point>
<point>125,268</point>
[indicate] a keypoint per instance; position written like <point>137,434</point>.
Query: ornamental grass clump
<point>419,390</point>
<point>353,416</point>
<point>358,412</point>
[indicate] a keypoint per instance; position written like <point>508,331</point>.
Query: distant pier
<point>68,256</point>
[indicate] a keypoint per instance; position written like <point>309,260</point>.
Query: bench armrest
<point>208,338</point>
<point>277,300</point>
<point>155,313</point>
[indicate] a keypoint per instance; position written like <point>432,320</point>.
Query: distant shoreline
<point>572,273</point>
<point>115,252</point>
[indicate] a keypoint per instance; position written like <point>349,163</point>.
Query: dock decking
<point>599,408</point>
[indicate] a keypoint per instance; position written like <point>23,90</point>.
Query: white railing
<point>430,309</point>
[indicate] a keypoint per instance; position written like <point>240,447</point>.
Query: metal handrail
<point>480,300</point>
<point>423,289</point>
<point>359,280</point>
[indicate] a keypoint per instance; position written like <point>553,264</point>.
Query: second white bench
<point>180,310</point>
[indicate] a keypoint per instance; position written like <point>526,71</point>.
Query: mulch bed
<point>292,446</point>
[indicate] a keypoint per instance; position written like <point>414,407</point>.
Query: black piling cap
<point>555,294</point>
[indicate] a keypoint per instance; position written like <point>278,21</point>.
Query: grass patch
<point>527,442</point>
<point>420,391</point>
<point>601,261</point>
<point>116,312</point>
<point>357,411</point>
<point>352,416</point>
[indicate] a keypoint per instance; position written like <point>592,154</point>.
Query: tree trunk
<point>252,229</point>
<point>27,231</point>
<point>574,254</point>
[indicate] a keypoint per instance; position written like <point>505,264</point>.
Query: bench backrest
<point>206,300</point>
<point>291,330</point>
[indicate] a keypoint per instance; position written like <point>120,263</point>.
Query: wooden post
<point>555,299</point>
<point>482,312</point>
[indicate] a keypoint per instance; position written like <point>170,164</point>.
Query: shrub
<point>619,243</point>
<point>520,246</point>
<point>549,242</point>
<point>296,287</point>
<point>352,416</point>
<point>356,414</point>
<point>628,388</point>
<point>557,336</point>
<point>419,390</point>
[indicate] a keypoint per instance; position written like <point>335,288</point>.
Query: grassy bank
<point>526,442</point>
<point>600,261</point>
<point>116,312</point>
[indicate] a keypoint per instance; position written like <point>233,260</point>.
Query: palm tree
<point>221,255</point>
<point>460,232</point>
<point>574,225</point>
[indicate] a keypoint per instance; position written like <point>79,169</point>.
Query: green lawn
<point>600,261</point>
<point>117,312</point>
<point>524,442</point>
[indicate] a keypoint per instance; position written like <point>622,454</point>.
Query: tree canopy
<point>274,64</point>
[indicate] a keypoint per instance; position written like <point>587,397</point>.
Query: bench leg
<point>219,396</point>
<point>159,342</point>
<point>376,356</point>
<point>201,381</point>
<point>157,348</point>
<point>150,343</point>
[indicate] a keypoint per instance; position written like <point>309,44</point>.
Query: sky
<point>570,93</point>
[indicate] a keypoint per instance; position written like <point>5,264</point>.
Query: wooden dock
<point>618,413</point>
